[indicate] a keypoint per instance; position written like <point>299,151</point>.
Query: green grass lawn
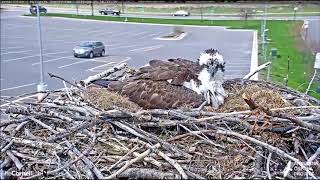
<point>195,8</point>
<point>283,35</point>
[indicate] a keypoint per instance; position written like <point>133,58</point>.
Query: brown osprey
<point>176,83</point>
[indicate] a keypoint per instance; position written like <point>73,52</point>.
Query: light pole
<point>263,35</point>
<point>212,15</point>
<point>41,86</point>
<point>295,11</point>
<point>273,56</point>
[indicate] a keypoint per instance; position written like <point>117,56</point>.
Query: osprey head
<point>212,60</point>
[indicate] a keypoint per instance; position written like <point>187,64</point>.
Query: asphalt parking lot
<point>131,43</point>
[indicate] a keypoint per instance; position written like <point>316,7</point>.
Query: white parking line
<point>128,46</point>
<point>103,33</point>
<point>119,34</point>
<point>108,64</point>
<point>15,52</point>
<point>145,49</point>
<point>138,34</point>
<point>79,62</point>
<point>14,47</point>
<point>103,65</point>
<point>25,57</point>
<point>16,87</point>
<point>154,34</point>
<point>52,60</point>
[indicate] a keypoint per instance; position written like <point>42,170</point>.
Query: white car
<point>181,13</point>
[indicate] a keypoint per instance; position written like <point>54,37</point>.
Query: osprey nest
<point>85,131</point>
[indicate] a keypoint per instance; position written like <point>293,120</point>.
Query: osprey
<point>176,83</point>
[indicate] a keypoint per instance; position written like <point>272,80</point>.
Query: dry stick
<point>164,144</point>
<point>297,121</point>
<point>13,134</point>
<point>268,165</point>
<point>259,68</point>
<point>122,158</point>
<point>142,155</point>
<point>149,137</point>
<point>67,91</point>
<point>27,142</point>
<point>62,167</point>
<point>14,159</point>
<point>197,134</point>
<point>71,130</point>
<point>267,146</point>
<point>313,157</point>
<point>147,173</point>
<point>213,114</point>
<point>150,160</point>
<point>87,161</point>
<point>293,119</point>
<point>8,122</point>
<point>161,154</point>
<point>174,164</point>
<point>43,97</point>
<point>287,169</point>
<point>188,134</point>
<point>58,77</point>
<point>103,74</point>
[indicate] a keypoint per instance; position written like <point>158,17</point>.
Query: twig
<point>196,134</point>
<point>259,68</point>
<point>58,77</point>
<point>269,147</point>
<point>142,155</point>
<point>14,159</point>
<point>67,91</point>
<point>313,157</point>
<point>174,164</point>
<point>122,158</point>
<point>102,74</point>
<point>268,165</point>
<point>62,167</point>
<point>146,173</point>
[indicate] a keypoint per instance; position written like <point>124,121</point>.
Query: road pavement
<point>135,44</point>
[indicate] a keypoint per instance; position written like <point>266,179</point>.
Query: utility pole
<point>77,7</point>
<point>41,86</point>
<point>263,35</point>
<point>201,11</point>
<point>91,7</point>
<point>295,11</point>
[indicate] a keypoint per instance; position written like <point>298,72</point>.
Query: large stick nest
<point>93,133</point>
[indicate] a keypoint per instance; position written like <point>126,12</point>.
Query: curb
<point>182,35</point>
<point>254,55</point>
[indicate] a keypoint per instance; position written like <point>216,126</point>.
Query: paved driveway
<point>134,43</point>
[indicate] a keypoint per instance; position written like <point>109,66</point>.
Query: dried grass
<point>107,100</point>
<point>262,96</point>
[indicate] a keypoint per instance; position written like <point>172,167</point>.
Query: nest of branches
<point>262,131</point>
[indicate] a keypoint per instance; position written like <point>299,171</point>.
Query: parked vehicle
<point>89,49</point>
<point>109,11</point>
<point>33,9</point>
<point>181,13</point>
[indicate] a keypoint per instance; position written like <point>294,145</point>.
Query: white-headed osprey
<point>176,83</point>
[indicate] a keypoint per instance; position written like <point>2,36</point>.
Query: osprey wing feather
<point>160,85</point>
